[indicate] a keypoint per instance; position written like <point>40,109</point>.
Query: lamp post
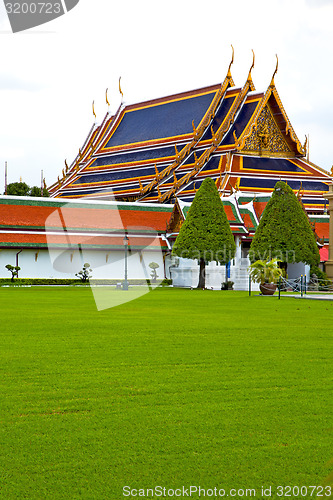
<point>125,241</point>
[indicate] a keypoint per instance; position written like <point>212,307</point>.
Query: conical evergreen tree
<point>284,231</point>
<point>206,235</point>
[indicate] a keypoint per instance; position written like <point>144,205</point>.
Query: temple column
<point>329,263</point>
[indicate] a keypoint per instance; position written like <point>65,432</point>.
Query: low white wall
<point>59,264</point>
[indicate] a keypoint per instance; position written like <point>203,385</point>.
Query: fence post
<point>279,287</point>
<point>249,286</point>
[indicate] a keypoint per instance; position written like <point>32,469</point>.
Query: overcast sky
<point>50,75</point>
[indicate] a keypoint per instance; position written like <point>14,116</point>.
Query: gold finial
<point>231,62</point>
<point>66,166</point>
<point>272,84</point>
<point>176,150</point>
<point>158,190</point>
<point>140,184</point>
<point>299,194</point>
<point>305,143</point>
<point>156,171</point>
<point>249,78</point>
<point>212,131</point>
<point>174,177</point>
<point>93,109</point>
<point>122,95</point>
<point>194,129</point>
<point>235,137</point>
<point>106,97</point>
<point>20,178</point>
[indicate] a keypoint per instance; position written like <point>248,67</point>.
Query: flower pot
<point>267,288</point>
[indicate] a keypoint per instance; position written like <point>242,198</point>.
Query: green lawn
<point>176,388</point>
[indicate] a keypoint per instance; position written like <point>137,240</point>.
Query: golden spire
<point>93,109</point>
<point>249,78</point>
<point>305,143</point>
<point>122,95</point>
<point>231,62</point>
<point>299,194</point>
<point>106,97</point>
<point>174,177</point>
<point>272,84</point>
<point>194,129</point>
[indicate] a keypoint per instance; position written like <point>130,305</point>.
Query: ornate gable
<point>266,138</point>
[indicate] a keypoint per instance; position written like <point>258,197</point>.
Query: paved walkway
<point>315,297</point>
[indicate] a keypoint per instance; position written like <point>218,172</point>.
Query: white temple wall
<point>64,264</point>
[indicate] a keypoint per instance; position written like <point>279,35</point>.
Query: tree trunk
<point>202,274</point>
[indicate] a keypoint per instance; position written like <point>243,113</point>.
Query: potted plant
<point>266,273</point>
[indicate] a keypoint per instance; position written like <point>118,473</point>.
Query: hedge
<point>59,281</point>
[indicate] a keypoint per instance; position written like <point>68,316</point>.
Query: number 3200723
<point>33,8</point>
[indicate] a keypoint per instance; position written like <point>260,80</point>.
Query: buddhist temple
<point>157,153</point>
<point>161,150</point>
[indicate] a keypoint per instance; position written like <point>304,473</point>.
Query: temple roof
<point>160,150</point>
<point>27,222</point>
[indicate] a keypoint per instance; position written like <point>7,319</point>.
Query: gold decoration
<point>174,177</point>
<point>106,97</point>
<point>266,137</point>
<point>93,108</point>
<point>272,84</point>
<point>249,78</point>
<point>305,143</point>
<point>231,62</point>
<point>122,95</point>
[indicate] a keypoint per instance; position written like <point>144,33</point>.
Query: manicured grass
<point>176,388</point>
